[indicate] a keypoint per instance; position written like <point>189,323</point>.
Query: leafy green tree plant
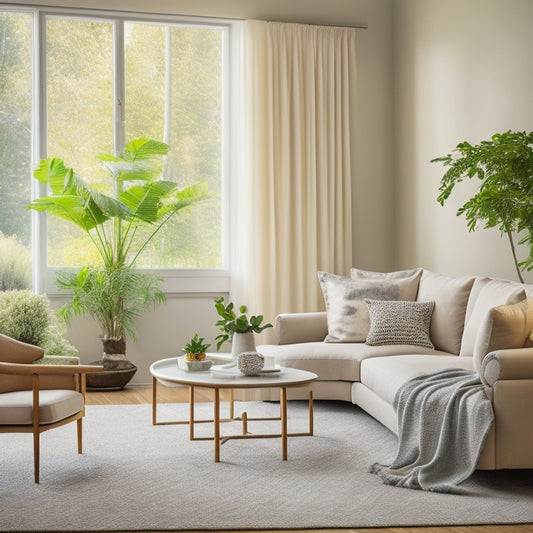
<point>504,166</point>
<point>120,226</point>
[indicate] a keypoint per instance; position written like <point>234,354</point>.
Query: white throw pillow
<point>347,312</point>
<point>399,323</point>
<point>450,295</point>
<point>486,294</point>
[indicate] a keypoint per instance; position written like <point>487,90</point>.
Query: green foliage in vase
<point>231,322</point>
<point>196,345</point>
<point>113,293</point>
<point>29,318</point>
<point>504,167</point>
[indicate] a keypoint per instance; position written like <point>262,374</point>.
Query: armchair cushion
<point>54,405</point>
<point>13,351</point>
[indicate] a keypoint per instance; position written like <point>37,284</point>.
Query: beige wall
<point>431,73</point>
<point>462,71</point>
<point>163,332</point>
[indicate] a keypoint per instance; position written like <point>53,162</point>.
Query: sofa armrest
<point>509,364</point>
<point>293,328</point>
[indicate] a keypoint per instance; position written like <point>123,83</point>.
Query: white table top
<point>166,371</point>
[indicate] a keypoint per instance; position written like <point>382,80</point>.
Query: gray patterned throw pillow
<point>399,322</point>
<point>348,319</point>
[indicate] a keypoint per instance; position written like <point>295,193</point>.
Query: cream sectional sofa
<point>477,323</point>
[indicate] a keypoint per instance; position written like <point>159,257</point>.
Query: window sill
<point>175,281</point>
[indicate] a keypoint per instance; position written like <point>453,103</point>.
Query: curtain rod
<point>44,7</point>
<point>347,26</point>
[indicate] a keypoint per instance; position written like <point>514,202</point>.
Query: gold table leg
<point>283,405</point>
<point>191,412</point>
<point>311,414</point>
<point>154,401</point>
<point>244,417</point>
<point>216,417</point>
<point>218,440</point>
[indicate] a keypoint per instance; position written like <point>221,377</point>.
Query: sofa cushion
<point>504,327</point>
<point>348,319</point>
<point>385,375</point>
<point>335,361</point>
<point>399,322</point>
<point>450,295</point>
<point>486,293</point>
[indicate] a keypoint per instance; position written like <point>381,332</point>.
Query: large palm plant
<point>113,293</point>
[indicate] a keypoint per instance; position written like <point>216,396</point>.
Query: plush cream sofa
<point>477,323</point>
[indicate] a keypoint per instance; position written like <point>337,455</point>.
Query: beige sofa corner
<point>369,376</point>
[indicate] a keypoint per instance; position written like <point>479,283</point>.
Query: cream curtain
<point>295,197</point>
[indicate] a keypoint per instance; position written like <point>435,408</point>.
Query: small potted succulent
<point>237,328</point>
<point>195,349</point>
<point>195,356</point>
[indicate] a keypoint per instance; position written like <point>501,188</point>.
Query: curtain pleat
<point>295,217</point>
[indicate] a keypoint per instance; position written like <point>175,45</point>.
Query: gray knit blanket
<point>443,421</point>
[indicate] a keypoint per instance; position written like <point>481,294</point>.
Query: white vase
<point>242,342</point>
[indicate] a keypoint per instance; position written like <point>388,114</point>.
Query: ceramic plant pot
<point>242,342</point>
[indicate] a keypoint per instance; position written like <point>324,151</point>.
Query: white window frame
<point>176,280</point>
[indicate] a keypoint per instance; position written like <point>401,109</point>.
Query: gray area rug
<point>135,476</point>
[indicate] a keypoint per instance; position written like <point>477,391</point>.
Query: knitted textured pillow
<point>399,322</point>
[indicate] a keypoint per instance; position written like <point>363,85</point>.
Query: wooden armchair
<point>34,397</point>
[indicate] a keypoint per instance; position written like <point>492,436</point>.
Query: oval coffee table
<point>167,373</point>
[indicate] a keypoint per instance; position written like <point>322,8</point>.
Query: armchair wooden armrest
<point>57,370</point>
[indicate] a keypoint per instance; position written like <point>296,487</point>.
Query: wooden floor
<point>137,395</point>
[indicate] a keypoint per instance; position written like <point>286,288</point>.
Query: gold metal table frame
<point>301,378</point>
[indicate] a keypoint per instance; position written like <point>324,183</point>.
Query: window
<point>104,81</point>
<point>15,147</point>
